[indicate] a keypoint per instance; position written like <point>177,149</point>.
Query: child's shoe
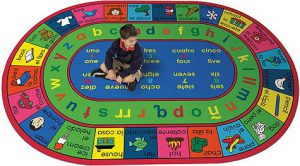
<point>132,85</point>
<point>98,73</point>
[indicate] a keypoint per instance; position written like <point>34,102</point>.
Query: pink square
<point>26,103</point>
<point>172,142</point>
<point>258,39</point>
<point>89,14</point>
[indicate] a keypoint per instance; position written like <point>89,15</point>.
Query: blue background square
<point>62,29</point>
<point>49,129</point>
<point>224,132</point>
<point>150,136</point>
<point>204,11</point>
<point>159,12</point>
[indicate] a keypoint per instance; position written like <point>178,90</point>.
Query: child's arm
<point>136,62</point>
<point>110,53</point>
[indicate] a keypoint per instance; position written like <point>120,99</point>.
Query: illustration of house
<point>105,143</point>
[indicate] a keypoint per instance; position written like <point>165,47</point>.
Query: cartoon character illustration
<point>22,80</point>
<point>45,34</point>
<point>192,10</point>
<point>212,15</point>
<point>274,60</point>
<point>139,143</point>
<point>259,128</point>
<point>237,22</point>
<point>232,141</point>
<point>169,10</point>
<point>60,143</point>
<point>198,144</point>
<point>29,55</point>
<point>105,143</point>
<point>143,9</point>
<point>115,12</point>
<point>259,37</point>
<point>64,21</point>
<point>279,83</point>
<point>36,123</point>
<point>24,102</point>
<point>89,13</point>
<point>277,104</point>
<point>174,143</point>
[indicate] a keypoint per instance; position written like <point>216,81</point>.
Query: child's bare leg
<point>103,68</point>
<point>111,74</point>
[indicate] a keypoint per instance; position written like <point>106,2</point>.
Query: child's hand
<point>119,79</point>
<point>110,75</point>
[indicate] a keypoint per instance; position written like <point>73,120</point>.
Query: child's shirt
<point>131,56</point>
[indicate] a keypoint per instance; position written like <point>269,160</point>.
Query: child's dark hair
<point>32,127</point>
<point>127,31</point>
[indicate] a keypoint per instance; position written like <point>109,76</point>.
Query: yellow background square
<point>268,102</point>
<point>225,21</point>
<point>118,134</point>
<point>39,54</point>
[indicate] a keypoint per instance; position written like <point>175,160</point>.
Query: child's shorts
<point>117,65</point>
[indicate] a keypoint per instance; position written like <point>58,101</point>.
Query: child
<point>123,59</point>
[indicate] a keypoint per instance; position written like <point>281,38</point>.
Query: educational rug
<point>217,85</point>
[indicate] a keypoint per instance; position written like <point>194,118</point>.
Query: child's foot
<point>98,73</point>
<point>132,85</point>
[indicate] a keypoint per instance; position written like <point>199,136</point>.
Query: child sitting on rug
<point>123,59</point>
